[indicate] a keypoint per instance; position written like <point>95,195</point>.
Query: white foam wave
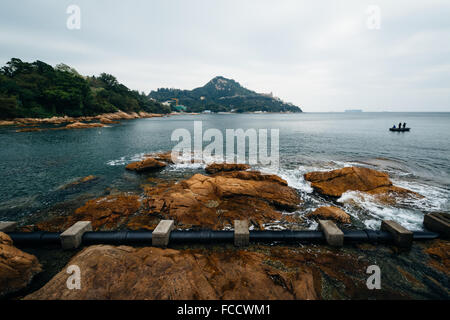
<point>193,163</point>
<point>436,198</point>
<point>293,177</point>
<point>374,211</point>
<point>125,160</point>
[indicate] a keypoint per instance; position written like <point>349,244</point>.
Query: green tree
<point>39,90</point>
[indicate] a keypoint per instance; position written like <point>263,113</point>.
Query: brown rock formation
<point>253,175</point>
<point>150,273</point>
<point>201,201</point>
<point>330,213</point>
<point>108,121</point>
<point>165,157</point>
<point>219,167</point>
<point>79,182</point>
<point>439,252</point>
<point>52,120</point>
<point>171,159</point>
<point>143,222</point>
<point>7,123</point>
<point>335,183</point>
<point>105,213</point>
<point>17,268</point>
<point>390,195</point>
<point>104,118</point>
<point>144,114</point>
<point>213,202</point>
<point>148,164</point>
<point>258,272</point>
<point>80,125</point>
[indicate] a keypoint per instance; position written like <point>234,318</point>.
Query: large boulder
<point>330,213</point>
<point>148,164</point>
<point>17,268</point>
<point>105,213</point>
<point>214,202</point>
<point>125,273</point>
<point>218,167</point>
<point>335,183</point>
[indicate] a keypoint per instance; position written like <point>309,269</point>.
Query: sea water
<point>35,166</point>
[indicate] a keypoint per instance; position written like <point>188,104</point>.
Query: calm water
<point>34,166</point>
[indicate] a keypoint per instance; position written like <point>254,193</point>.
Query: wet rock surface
<point>258,272</point>
<point>105,213</point>
<point>119,115</point>
<point>83,122</point>
<point>439,253</point>
<point>224,272</point>
<point>79,182</point>
<point>330,213</point>
<point>214,202</point>
<point>334,183</point>
<point>151,273</point>
<point>148,164</point>
<point>219,167</point>
<point>81,125</point>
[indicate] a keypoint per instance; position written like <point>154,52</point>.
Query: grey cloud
<point>319,55</point>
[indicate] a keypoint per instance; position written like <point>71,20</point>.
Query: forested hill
<point>221,94</point>
<point>39,90</point>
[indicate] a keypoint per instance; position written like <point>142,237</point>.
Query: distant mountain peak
<point>218,78</point>
<point>222,94</point>
<point>220,83</point>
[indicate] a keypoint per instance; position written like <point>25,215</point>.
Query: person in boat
<point>404,125</point>
<point>399,125</point>
<point>393,127</point>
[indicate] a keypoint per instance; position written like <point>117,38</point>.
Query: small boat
<point>399,129</point>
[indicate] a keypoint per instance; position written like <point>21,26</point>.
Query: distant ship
<point>353,110</point>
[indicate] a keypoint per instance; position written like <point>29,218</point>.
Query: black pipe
<point>208,237</point>
<point>370,236</point>
<point>35,238</point>
<point>287,236</point>
<point>203,237</point>
<point>425,235</point>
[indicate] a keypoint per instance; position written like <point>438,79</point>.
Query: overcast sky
<point>321,55</point>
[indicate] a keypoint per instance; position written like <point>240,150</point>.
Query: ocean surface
<point>35,166</point>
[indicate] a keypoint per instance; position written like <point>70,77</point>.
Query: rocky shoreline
<point>32,124</point>
<point>213,200</point>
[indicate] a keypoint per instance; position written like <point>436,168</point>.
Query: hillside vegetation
<point>221,94</point>
<point>39,90</point>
